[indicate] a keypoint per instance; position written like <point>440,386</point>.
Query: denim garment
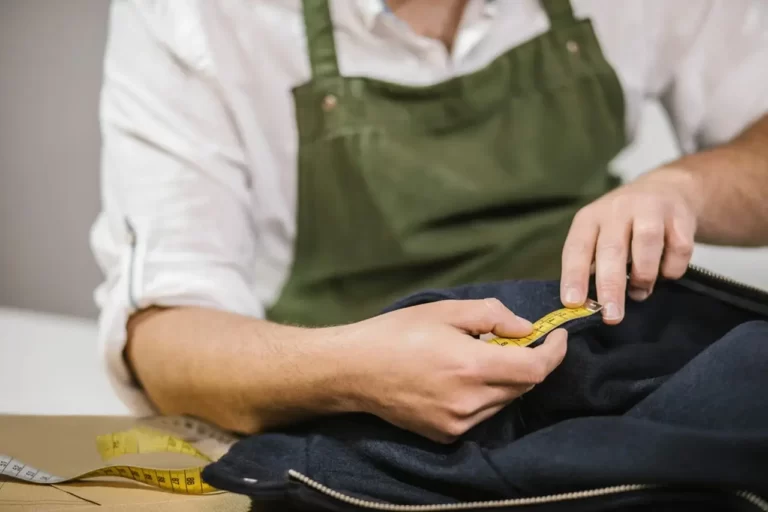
<point>674,396</point>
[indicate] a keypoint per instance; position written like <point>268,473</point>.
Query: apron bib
<point>474,179</point>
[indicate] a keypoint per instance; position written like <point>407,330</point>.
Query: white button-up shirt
<point>200,142</point>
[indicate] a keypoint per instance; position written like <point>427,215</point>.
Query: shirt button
<point>572,46</point>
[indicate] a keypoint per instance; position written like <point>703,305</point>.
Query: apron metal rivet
<point>329,102</point>
<point>572,46</point>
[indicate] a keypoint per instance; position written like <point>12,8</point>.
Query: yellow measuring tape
<point>186,481</point>
<point>550,322</point>
<point>142,440</point>
<point>138,440</point>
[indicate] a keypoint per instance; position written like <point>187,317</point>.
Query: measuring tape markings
<point>143,440</point>
<point>14,468</point>
<point>189,429</point>
<point>184,481</point>
<point>550,322</point>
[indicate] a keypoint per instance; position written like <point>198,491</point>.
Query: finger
<point>611,269</point>
<point>483,397</point>
<point>551,352</point>
<point>454,426</point>
<point>444,433</point>
<point>578,254</point>
<point>499,396</point>
<point>492,410</point>
<point>678,248</point>
<point>483,316</point>
<point>647,247</point>
<point>514,366</point>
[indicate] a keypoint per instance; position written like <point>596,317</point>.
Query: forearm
<point>243,374</point>
<point>730,189</point>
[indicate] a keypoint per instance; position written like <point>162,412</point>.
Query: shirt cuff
<point>141,286</point>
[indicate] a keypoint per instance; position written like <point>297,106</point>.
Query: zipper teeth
<point>754,499</point>
<point>725,279</point>
<point>518,502</point>
<point>751,497</point>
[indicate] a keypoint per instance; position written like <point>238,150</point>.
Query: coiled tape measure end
<point>137,440</point>
<point>550,322</point>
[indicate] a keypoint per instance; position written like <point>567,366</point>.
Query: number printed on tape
<point>549,323</point>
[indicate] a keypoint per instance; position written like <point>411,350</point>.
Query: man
<point>276,173</point>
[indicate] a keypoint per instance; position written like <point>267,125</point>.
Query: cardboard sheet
<point>111,497</point>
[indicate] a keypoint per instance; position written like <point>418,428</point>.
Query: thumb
<point>482,316</point>
<point>515,365</point>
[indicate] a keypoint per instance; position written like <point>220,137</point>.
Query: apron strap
<point>321,45</point>
<point>560,12</point>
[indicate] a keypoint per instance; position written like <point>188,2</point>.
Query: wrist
<point>341,377</point>
<point>286,374</point>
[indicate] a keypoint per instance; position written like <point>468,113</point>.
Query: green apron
<point>475,179</point>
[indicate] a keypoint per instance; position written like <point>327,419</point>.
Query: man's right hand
<point>418,367</point>
<point>421,369</point>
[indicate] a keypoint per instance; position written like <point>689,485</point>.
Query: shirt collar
<point>370,10</point>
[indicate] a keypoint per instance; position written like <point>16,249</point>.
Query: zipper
<point>726,289</point>
<point>752,498</point>
<point>131,263</point>
<point>727,280</point>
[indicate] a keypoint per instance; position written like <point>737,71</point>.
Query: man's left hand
<point>650,222</point>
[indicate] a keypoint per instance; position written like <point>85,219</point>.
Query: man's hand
<point>650,222</point>
<point>420,368</point>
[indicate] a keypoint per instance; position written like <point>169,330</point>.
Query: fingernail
<point>526,323</point>
<point>611,311</point>
<point>639,294</point>
<point>572,295</point>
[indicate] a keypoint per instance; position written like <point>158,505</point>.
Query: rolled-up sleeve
<point>175,227</point>
<point>713,68</point>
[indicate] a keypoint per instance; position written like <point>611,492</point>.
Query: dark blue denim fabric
<point>676,395</point>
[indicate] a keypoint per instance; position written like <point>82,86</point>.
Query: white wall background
<point>50,67</point>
